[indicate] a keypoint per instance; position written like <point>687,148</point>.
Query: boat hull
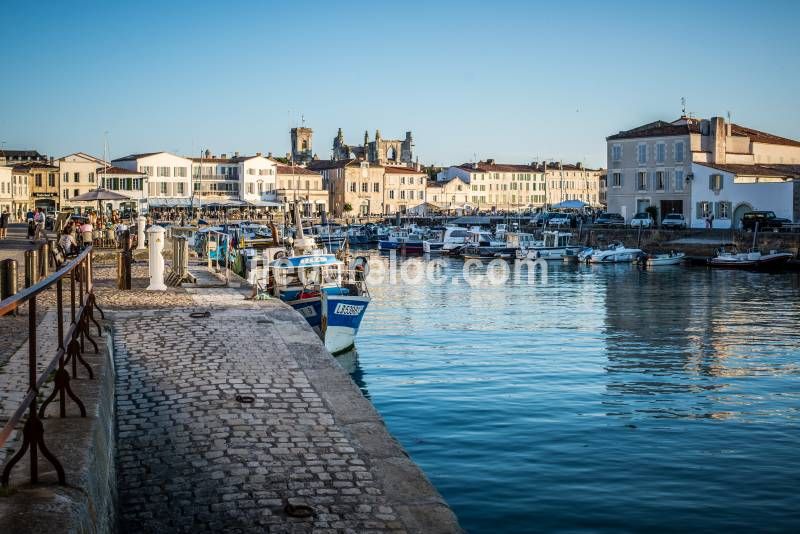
<point>768,262</point>
<point>342,315</point>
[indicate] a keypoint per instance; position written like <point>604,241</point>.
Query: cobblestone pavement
<point>193,459</point>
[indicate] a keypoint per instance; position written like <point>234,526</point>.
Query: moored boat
<point>729,257</point>
<point>615,253</point>
<point>672,258</point>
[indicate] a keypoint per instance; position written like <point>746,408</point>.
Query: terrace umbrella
<point>100,195</point>
<point>573,204</point>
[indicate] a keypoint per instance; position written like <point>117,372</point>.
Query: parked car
<point>767,220</point>
<point>642,219</point>
<point>673,220</point>
<point>609,220</point>
<point>540,219</point>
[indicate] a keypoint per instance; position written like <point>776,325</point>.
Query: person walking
<point>4,217</point>
<point>39,219</point>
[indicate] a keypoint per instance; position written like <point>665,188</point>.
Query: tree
<point>347,208</point>
<point>653,212</point>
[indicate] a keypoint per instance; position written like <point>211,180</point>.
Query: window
<point>66,177</point>
<point>75,192</point>
<point>661,181</point>
<point>262,172</point>
<point>308,185</point>
<point>420,194</point>
<point>179,172</point>
<point>146,169</point>
<point>51,179</point>
<point>703,210</point>
<point>162,171</point>
<point>679,180</point>
<point>38,179</point>
<point>661,152</point>
<point>76,177</point>
<point>250,188</point>
<point>66,193</point>
<point>679,151</point>
<point>364,187</point>
<point>402,195</point>
<point>723,210</point>
<point>376,187</point>
<point>641,181</point>
<point>402,180</point>
<point>251,172</point>
<point>616,153</point>
<point>715,182</point>
<point>352,187</point>
<point>391,194</point>
<point>641,152</point>
<point>162,188</point>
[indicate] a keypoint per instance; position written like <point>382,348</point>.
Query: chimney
<point>718,140</point>
<point>223,156</point>
<point>269,155</point>
<point>490,161</point>
<point>51,160</point>
<point>208,153</point>
<point>258,153</point>
<point>236,154</point>
<point>579,165</point>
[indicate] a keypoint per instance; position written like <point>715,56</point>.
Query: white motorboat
<point>452,237</point>
<point>731,258</point>
<point>615,253</point>
<point>554,246</point>
<point>673,258</point>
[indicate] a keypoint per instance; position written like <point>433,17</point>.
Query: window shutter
<point>717,209</point>
<point>698,210</point>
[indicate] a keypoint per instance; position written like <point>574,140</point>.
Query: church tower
<point>302,152</point>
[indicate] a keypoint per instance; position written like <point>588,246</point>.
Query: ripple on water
<point>610,398</point>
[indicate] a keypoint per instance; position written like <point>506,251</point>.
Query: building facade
<point>651,165</point>
<point>168,177</point>
<point>39,183</point>
<point>78,175</point>
<point>6,197</point>
<point>298,184</point>
<point>132,184</point>
<point>20,192</point>
<point>727,191</point>
<point>500,186</point>
<point>565,181</point>
<point>403,188</point>
<point>449,195</point>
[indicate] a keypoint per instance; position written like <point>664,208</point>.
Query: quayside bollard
<point>141,223</point>
<point>44,260</point>
<point>8,279</point>
<point>124,260</point>
<point>155,238</point>
<point>31,267</point>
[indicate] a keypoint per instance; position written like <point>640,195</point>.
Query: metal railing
<point>71,346</point>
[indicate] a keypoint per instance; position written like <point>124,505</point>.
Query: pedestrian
<point>39,220</point>
<point>710,221</point>
<point>4,223</point>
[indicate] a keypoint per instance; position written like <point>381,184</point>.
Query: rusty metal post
<point>31,267</point>
<point>124,260</point>
<point>44,260</point>
<point>8,285</point>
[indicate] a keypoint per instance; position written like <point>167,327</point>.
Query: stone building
<point>15,157</point>
<point>299,184</point>
<point>302,152</point>
<point>652,164</point>
<point>78,173</point>
<point>370,189</point>
<point>450,195</point>
<point>6,195</point>
<point>40,181</point>
<point>380,151</point>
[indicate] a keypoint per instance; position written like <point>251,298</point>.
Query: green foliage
<point>347,208</point>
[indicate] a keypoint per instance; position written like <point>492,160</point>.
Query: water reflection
<point>675,337</point>
<point>349,362</point>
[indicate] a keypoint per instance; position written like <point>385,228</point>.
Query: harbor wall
<point>86,450</point>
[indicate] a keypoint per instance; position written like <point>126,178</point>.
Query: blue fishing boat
<point>331,295</point>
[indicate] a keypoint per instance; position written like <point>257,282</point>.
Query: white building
<point>169,177</point>
<point>6,195</point>
<point>500,186</point>
<point>234,180</point>
<point>729,190</point>
<point>451,195</point>
<point>132,184</point>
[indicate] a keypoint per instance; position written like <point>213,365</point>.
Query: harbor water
<point>608,398</point>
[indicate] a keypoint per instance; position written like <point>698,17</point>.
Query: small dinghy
<point>673,258</point>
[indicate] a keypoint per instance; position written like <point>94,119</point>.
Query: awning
<point>264,204</point>
<point>169,202</point>
<point>567,204</point>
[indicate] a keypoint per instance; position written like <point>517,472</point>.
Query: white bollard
<point>142,222</point>
<point>155,236</point>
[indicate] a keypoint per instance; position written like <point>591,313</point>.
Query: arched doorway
<point>391,154</point>
<point>739,212</point>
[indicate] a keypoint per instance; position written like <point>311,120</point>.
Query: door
<point>739,212</point>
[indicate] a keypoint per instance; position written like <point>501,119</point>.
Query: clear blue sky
<point>510,80</point>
